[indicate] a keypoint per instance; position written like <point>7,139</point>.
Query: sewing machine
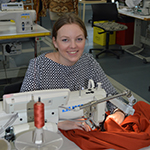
<point>145,8</point>
<point>12,6</point>
<point>141,7</point>
<point>24,19</point>
<point>16,112</point>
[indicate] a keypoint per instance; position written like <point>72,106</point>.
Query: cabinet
<point>28,4</point>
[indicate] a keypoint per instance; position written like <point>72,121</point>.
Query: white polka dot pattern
<point>43,73</point>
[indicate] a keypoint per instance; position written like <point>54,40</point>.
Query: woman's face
<point>70,43</point>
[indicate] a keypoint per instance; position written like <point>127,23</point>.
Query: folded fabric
<point>132,134</point>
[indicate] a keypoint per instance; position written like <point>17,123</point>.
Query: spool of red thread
<point>39,114</point>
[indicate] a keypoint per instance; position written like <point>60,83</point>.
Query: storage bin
<point>101,38</point>
<point>125,37</point>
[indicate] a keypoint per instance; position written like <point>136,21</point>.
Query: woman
<point>68,67</point>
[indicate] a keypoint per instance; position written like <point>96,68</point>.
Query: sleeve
<point>101,77</point>
<point>31,79</point>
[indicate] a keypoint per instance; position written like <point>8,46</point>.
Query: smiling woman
<point>70,44</point>
<point>69,35</point>
<point>68,67</point>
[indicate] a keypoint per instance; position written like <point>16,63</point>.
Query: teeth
<point>72,52</point>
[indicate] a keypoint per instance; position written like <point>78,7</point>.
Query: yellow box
<point>101,38</point>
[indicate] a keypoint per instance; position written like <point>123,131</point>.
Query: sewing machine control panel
<point>12,6</point>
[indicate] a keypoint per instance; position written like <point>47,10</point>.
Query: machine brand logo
<point>25,16</point>
<point>71,107</point>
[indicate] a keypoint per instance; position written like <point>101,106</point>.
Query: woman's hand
<point>118,117</point>
<point>70,125</point>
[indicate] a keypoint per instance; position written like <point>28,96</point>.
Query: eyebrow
<point>64,36</point>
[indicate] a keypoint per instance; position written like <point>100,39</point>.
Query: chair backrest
<point>104,11</point>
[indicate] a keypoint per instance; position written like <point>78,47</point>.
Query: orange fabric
<point>132,134</point>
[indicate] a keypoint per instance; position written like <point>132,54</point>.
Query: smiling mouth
<point>73,52</point>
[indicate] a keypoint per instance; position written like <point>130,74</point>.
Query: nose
<point>73,44</point>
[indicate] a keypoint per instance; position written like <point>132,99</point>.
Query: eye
<point>64,40</point>
<point>80,39</point>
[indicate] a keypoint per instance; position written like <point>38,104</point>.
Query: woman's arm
<point>100,76</point>
<point>30,81</point>
<point>118,116</point>
<point>70,125</point>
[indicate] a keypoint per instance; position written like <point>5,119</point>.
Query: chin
<point>72,62</point>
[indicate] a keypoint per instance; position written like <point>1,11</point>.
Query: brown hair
<point>68,18</point>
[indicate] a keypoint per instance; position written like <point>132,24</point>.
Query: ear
<point>54,42</point>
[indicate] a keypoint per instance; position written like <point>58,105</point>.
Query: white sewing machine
<point>24,19</point>
<point>12,6</point>
<point>145,9</point>
<point>59,104</point>
<point>141,7</point>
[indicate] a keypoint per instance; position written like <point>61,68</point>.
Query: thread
<point>39,114</point>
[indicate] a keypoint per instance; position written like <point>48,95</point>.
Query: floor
<point>129,71</point>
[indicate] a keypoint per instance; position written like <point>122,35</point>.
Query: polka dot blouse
<point>44,73</point>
